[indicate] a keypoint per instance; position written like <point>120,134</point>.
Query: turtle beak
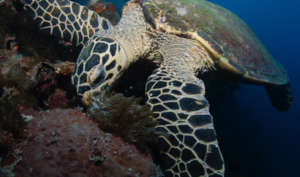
<point>98,76</point>
<point>96,84</point>
<point>90,82</point>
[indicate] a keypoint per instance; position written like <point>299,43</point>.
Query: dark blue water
<point>268,140</point>
<point>257,140</point>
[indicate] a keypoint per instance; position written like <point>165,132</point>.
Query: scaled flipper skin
<point>66,19</point>
<point>188,144</point>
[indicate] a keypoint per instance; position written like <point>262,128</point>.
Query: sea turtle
<point>183,37</point>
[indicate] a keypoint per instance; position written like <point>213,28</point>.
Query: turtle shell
<point>232,43</point>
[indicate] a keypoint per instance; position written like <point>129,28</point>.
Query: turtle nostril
<point>98,77</point>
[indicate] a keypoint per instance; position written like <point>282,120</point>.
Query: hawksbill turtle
<point>184,37</point>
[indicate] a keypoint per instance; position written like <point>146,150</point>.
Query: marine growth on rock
<point>64,142</point>
<point>125,117</point>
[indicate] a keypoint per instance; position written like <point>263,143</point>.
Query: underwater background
<point>257,140</point>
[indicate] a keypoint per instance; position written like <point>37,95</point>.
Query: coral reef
<point>125,117</point>
<point>12,98</point>
<point>11,121</point>
<point>58,99</point>
<point>10,118</point>
<point>37,79</point>
<point>66,143</point>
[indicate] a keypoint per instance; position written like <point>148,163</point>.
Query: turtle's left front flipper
<point>66,19</point>
<point>280,96</point>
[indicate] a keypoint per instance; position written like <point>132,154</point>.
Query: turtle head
<point>99,64</point>
<point>108,53</point>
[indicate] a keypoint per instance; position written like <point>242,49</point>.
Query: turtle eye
<point>98,77</point>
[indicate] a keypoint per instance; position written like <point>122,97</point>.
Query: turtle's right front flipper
<point>66,20</point>
<point>189,144</point>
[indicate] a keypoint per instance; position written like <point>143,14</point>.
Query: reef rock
<point>64,142</point>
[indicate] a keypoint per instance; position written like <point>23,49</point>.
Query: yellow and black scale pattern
<point>189,144</point>
<point>66,20</point>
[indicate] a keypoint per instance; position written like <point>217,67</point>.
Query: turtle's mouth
<point>98,76</point>
<point>133,80</point>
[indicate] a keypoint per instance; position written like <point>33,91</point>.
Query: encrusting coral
<point>64,142</point>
